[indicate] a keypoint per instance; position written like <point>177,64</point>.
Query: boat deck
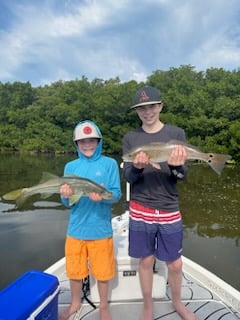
<point>209,297</point>
<point>200,300</point>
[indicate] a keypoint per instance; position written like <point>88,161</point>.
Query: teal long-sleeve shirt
<point>90,220</point>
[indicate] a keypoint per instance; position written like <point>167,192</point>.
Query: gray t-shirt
<point>151,187</point>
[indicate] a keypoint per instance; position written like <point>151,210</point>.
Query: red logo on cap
<point>144,96</point>
<point>87,130</point>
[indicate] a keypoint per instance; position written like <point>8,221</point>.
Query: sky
<point>44,41</point>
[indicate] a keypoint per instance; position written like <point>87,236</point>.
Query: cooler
<point>125,285</point>
<point>34,295</point>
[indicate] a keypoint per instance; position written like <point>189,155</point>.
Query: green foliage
<point>205,104</point>
<point>234,140</point>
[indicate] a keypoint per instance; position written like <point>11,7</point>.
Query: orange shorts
<point>90,256</point>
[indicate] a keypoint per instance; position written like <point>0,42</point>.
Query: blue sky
<point>43,41</point>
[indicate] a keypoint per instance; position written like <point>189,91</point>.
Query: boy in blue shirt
<point>89,234</point>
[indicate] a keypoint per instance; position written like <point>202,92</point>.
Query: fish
<point>50,184</point>
<point>159,152</point>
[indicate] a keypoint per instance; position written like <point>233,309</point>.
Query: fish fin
<point>75,198</point>
<point>20,201</point>
<point>47,176</point>
<point>12,195</point>
<point>22,198</point>
<point>217,161</point>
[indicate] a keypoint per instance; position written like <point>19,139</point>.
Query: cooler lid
<point>19,299</point>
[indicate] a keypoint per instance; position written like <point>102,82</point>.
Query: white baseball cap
<point>85,130</point>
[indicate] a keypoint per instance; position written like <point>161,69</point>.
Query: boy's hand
<point>178,156</point>
<point>141,160</point>
<point>66,190</point>
<point>95,196</point>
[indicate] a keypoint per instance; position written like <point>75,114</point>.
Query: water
<point>33,237</point>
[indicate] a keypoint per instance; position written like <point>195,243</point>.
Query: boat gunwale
<point>212,282</point>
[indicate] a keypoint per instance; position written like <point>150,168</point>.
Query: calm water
<point>33,238</point>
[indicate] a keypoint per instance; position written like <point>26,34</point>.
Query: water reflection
<point>33,203</point>
<point>30,240</point>
<point>210,203</point>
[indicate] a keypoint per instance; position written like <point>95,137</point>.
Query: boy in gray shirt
<point>155,226</point>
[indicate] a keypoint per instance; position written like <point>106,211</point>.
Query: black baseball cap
<point>146,95</point>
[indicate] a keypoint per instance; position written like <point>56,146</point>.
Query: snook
<point>160,151</point>
<point>50,184</point>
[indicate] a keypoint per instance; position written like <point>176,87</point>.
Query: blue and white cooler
<point>34,295</point>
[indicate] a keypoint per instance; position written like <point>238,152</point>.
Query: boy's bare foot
<point>104,313</point>
<point>184,312</point>
<point>68,312</point>
<point>147,314</point>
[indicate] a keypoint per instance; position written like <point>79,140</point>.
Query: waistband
<point>138,212</point>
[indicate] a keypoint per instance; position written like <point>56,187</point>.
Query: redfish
<point>159,152</point>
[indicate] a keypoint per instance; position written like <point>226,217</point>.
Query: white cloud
<point>60,40</point>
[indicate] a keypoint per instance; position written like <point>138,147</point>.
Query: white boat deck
<point>209,297</point>
<point>200,300</point>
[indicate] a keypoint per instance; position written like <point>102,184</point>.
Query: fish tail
<point>217,161</point>
<point>22,197</point>
<point>12,195</point>
<point>19,195</point>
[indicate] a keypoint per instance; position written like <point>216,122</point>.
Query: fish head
<point>129,156</point>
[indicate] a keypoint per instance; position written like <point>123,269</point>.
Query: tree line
<point>206,104</point>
